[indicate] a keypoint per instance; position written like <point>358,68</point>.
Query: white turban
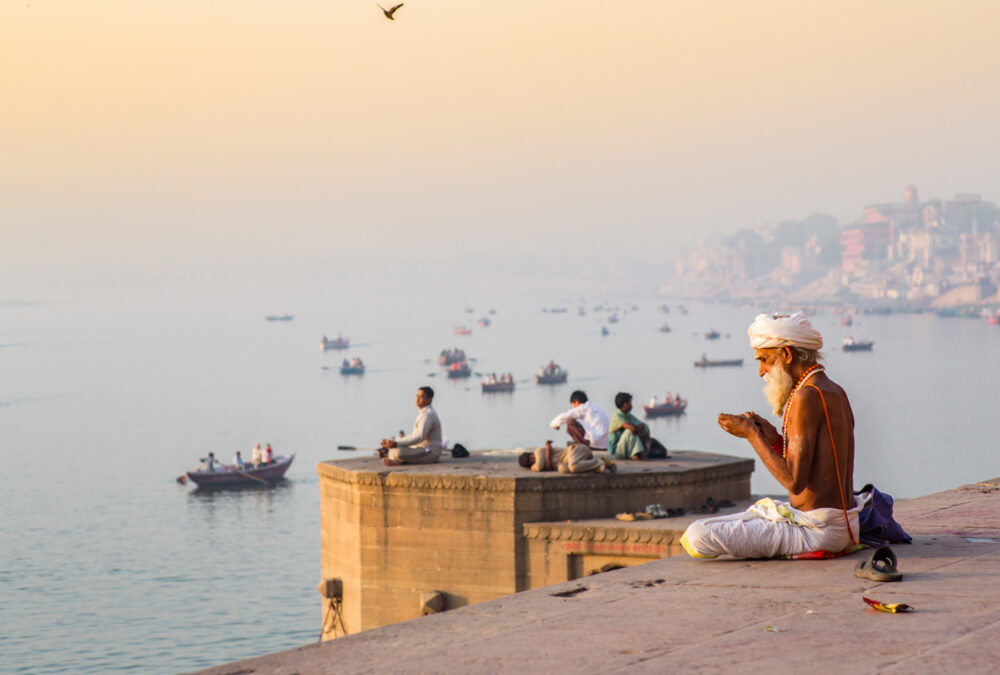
<point>769,331</point>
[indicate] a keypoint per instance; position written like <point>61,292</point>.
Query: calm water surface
<point>107,564</point>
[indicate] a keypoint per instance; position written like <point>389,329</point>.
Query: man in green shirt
<point>628,437</point>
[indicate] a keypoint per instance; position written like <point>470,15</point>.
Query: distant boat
<point>279,317</point>
<point>613,318</point>
<point>353,369</point>
<point>558,310</point>
<point>554,375</point>
<point>491,387</point>
<point>665,328</point>
<point>463,330</point>
<point>852,345</point>
<point>706,363</point>
<point>450,356</point>
<point>847,320</point>
<point>665,409</point>
<point>605,331</point>
<point>493,311</point>
<point>665,309</point>
<point>581,312</point>
<point>484,322</point>
<point>469,310</point>
<point>462,371</point>
<point>338,342</point>
<point>228,476</point>
<point>712,335</point>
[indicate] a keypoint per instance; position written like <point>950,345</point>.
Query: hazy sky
<point>252,131</point>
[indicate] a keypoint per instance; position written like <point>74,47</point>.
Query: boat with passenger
<point>712,335</point>
<point>459,370</point>
<point>484,321</point>
<point>450,356</point>
<point>353,367</point>
<point>225,476</point>
<point>665,328</point>
<point>666,408</point>
<point>551,374</point>
<point>463,330</point>
<point>339,342</point>
<point>497,383</point>
<point>279,317</point>
<point>705,362</point>
<point>851,345</point>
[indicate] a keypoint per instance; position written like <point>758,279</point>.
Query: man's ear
<point>786,355</point>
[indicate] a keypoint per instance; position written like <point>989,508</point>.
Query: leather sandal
<point>880,566</point>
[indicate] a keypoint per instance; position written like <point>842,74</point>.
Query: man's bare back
<point>808,469</point>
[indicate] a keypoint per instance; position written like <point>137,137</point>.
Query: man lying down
<point>812,456</point>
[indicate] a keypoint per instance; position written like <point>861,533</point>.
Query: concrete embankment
<point>679,614</point>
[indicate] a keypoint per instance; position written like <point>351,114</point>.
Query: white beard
<point>778,385</point>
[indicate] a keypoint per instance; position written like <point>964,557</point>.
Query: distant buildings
<point>938,252</point>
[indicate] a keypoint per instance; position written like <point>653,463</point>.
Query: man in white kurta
<point>424,444</point>
<point>585,422</point>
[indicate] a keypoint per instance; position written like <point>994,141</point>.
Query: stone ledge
<point>717,616</point>
<point>483,471</point>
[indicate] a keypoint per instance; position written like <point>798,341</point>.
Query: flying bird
<point>389,12</point>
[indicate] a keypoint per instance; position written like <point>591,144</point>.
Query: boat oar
<point>246,475</point>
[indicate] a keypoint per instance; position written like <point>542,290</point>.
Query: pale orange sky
<point>235,130</point>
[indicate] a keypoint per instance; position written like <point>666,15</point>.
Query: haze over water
<point>107,564</point>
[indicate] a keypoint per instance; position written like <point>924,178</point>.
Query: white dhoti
<point>416,454</point>
<point>769,529</point>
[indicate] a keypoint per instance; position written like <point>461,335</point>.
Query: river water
<point>107,564</point>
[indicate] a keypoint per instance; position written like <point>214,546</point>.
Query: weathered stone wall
<point>458,527</point>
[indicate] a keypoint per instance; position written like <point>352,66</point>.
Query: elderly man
<point>424,444</point>
<point>585,422</point>
<point>812,456</point>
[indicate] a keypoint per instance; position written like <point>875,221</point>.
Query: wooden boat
<point>228,476</point>
<point>462,371</point>
<point>449,357</point>
<point>336,343</point>
<point>605,331</point>
<point>352,370</point>
<point>665,328</point>
<point>484,322</point>
<point>279,317</point>
<point>491,387</point>
<point>847,320</point>
<point>712,335</point>
<point>665,409</point>
<point>463,330</point>
<point>557,377</point>
<point>613,318</point>
<point>706,363</point>
<point>852,345</point>
<point>665,309</point>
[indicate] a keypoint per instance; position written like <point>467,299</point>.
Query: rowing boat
<point>226,476</point>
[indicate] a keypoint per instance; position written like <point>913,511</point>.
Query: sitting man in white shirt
<point>423,445</point>
<point>585,422</point>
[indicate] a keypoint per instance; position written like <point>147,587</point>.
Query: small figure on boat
<point>585,422</point>
<point>209,464</point>
<point>628,436</point>
<point>238,460</point>
<point>268,454</point>
<point>450,356</point>
<point>574,458</point>
<point>257,456</point>
<point>551,374</point>
<point>459,369</point>
<point>424,444</point>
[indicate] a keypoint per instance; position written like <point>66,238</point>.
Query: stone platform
<point>680,615</point>
<point>457,528</point>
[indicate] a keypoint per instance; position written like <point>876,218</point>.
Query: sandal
<point>880,566</point>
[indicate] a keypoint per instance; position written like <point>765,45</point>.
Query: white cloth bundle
<point>770,331</point>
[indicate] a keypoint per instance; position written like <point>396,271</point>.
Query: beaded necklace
<point>815,368</point>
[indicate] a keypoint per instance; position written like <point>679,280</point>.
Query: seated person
<point>628,437</point>
<point>574,458</point>
<point>585,422</point>
<point>208,463</point>
<point>268,454</point>
<point>812,457</point>
<point>257,456</point>
<point>238,461</point>
<point>423,445</point>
